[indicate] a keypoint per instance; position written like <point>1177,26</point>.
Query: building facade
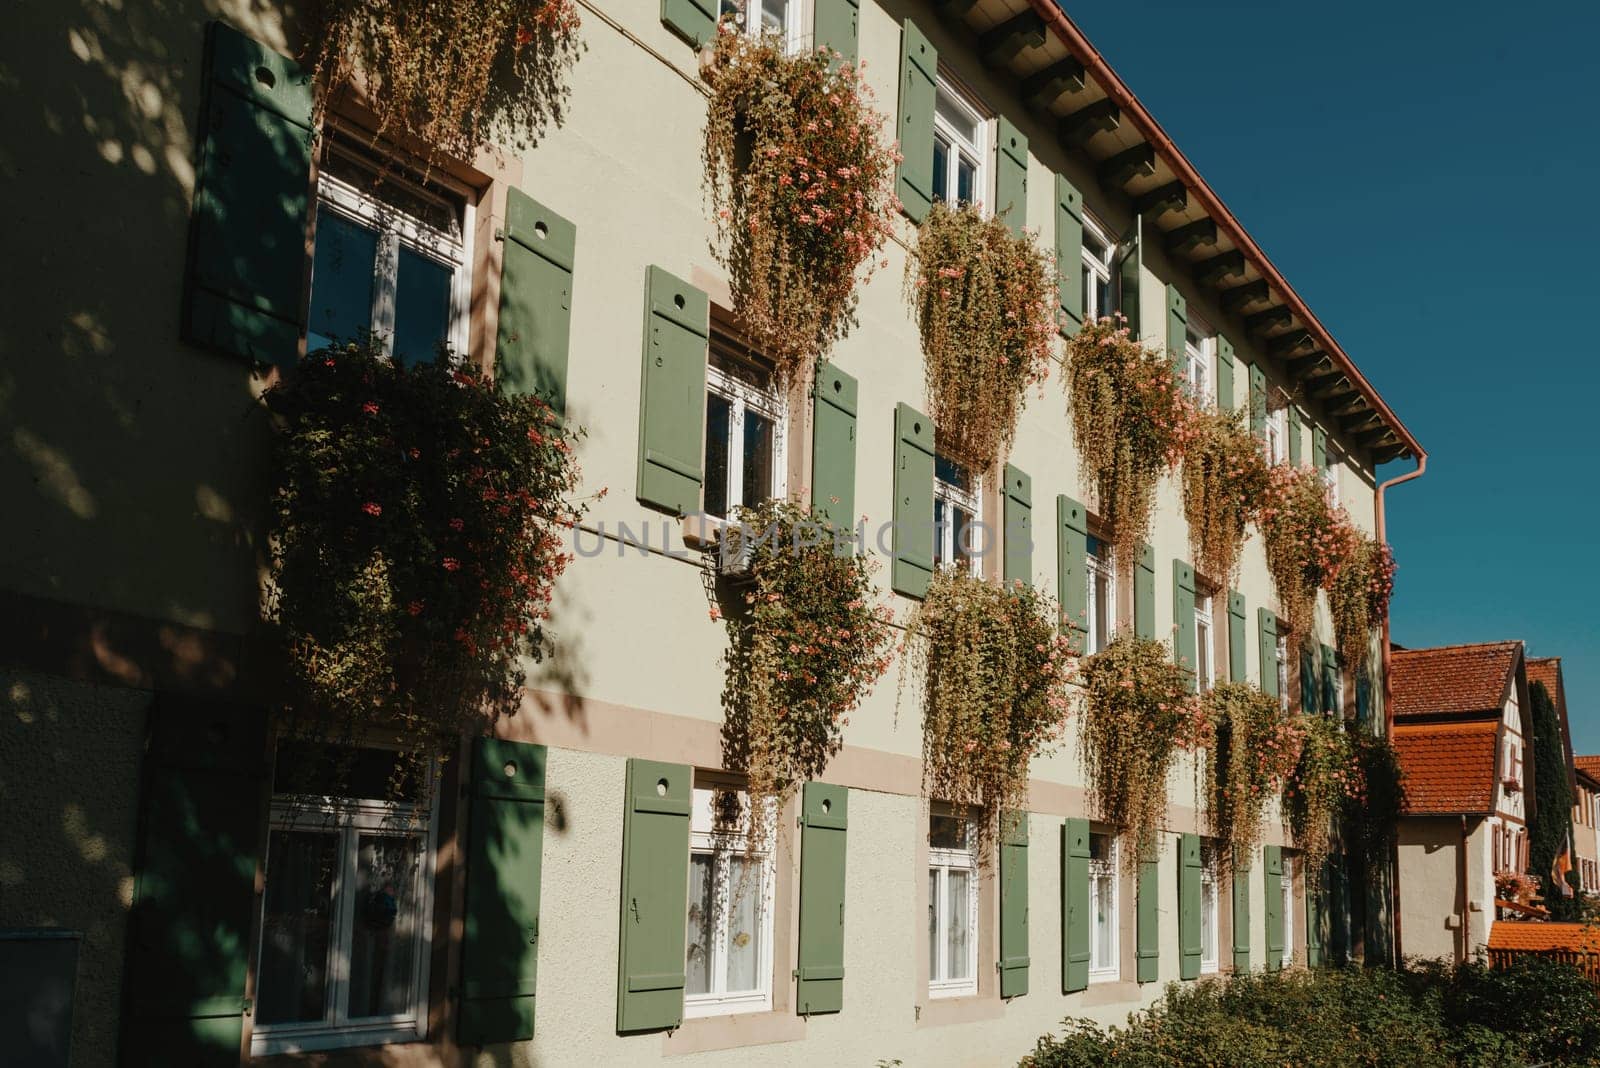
<point>146,816</point>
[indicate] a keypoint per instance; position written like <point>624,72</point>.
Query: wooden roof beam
<point>1005,42</point>
<point>1136,162</point>
<point>1044,88</point>
<point>1190,236</point>
<point>1247,294</point>
<point>1223,265</point>
<point>1170,197</point>
<point>1261,322</point>
<point>1103,116</point>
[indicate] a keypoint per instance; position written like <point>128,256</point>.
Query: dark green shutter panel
<point>1364,696</point>
<point>1189,919</point>
<point>1069,255</point>
<point>838,28</point>
<point>655,891</point>
<point>1144,592</point>
<point>1072,569</point>
<point>912,565</point>
<point>919,67</point>
<point>1330,681</point>
<point>1258,402</point>
<point>500,937</point>
<point>1267,630</point>
<point>1147,925</point>
<point>819,973</point>
<point>1177,327</point>
<point>1272,877</point>
<point>1074,905</point>
<point>1013,904</point>
<point>1316,905</point>
<point>1319,448</point>
<point>1310,680</point>
<point>1293,421</point>
<point>535,300</point>
<point>1019,526</point>
<point>1237,669</point>
<point>1184,646</point>
<point>194,883</point>
<point>1241,914</point>
<point>672,393</point>
<point>1011,175</point>
<point>833,448</point>
<point>1225,363</point>
<point>1126,276</point>
<point>245,286</point>
<point>693,20</point>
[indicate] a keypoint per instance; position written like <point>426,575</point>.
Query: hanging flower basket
<point>1358,596</point>
<point>1324,777</point>
<point>1254,746</point>
<point>1307,540</point>
<point>1224,481</point>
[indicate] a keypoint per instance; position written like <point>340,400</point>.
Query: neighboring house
<point>1586,823</point>
<point>1463,732</point>
<point>134,668</point>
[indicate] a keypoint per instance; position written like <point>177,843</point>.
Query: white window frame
<point>1096,269</point>
<point>1330,472</point>
<point>1198,345</point>
<point>970,501</point>
<point>941,862</point>
<point>396,228</point>
<point>1210,921</point>
<point>1205,668</point>
<point>1281,657</point>
<point>1278,435</point>
<point>349,818</point>
<point>977,148</point>
<point>793,23</point>
<point>743,397</point>
<point>1286,896</point>
<point>723,845</point>
<point>1100,566</point>
<point>1107,970</point>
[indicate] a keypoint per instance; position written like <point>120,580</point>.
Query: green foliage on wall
<point>1550,826</point>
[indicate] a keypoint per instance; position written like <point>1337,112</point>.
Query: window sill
<point>704,1034</point>
<point>264,1046</point>
<point>701,531</point>
<point>962,1009</point>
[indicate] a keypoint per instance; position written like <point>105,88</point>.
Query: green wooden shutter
<point>833,448</point>
<point>1147,924</point>
<point>1258,402</point>
<point>1189,919</point>
<point>1237,669</point>
<point>1013,962</point>
<point>672,393</point>
<point>693,20</point>
<point>1364,696</point>
<point>199,843</point>
<point>500,936</point>
<point>1310,682</point>
<point>819,975</point>
<point>1315,906</point>
<point>1069,255</point>
<point>1330,681</point>
<point>1184,648</point>
<point>1144,592</point>
<point>1267,630</point>
<point>1225,362</point>
<point>838,28</point>
<point>655,890</point>
<point>1241,914</point>
<point>1019,526</point>
<point>1177,327</point>
<point>1319,448</point>
<point>1272,878</point>
<point>1294,435</point>
<point>1075,912</point>
<point>535,300</point>
<point>245,284</point>
<point>1126,276</point>
<point>919,68</point>
<point>1072,569</point>
<point>1011,175</point>
<point>912,564</point>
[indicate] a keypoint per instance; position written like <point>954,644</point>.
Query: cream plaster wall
<point>1430,884</point>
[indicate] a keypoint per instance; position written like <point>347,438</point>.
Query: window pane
<point>941,516</point>
<point>947,470</point>
<point>1208,919</point>
<point>933,924</point>
<point>947,832</point>
<point>421,307</point>
<point>1100,889</point>
<point>296,927</point>
<point>717,412</point>
<point>383,941</point>
<point>966,180</point>
<point>1202,643</point>
<point>941,169</point>
<point>757,458</point>
<point>774,15</point>
<point>701,918</point>
<point>1100,595</point>
<point>959,915</point>
<point>744,926</point>
<point>956,117</point>
<point>961,537</point>
<point>342,771</point>
<point>342,267</point>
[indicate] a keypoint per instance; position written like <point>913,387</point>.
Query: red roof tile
<point>1448,767</point>
<point>1534,935</point>
<point>1453,678</point>
<point>1589,764</point>
<point>1546,669</point>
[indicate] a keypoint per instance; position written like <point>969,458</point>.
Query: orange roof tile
<point>1453,678</point>
<point>1546,669</point>
<point>1588,764</point>
<point>1448,767</point>
<point>1534,935</point>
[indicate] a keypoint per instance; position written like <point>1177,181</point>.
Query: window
<point>346,912</point>
<point>1102,578</point>
<point>744,432</point>
<point>1205,667</point>
<point>729,956</point>
<point>955,516</point>
<point>1286,897</point>
<point>1210,922</point>
<point>1330,474</point>
<point>1097,250</point>
<point>1281,654</point>
<point>390,257</point>
<point>952,905</point>
<point>1277,436</point>
<point>1197,365</point>
<point>1104,961</point>
<point>960,174</point>
<point>777,17</point>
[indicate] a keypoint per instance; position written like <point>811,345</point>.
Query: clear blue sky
<point>1427,176</point>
